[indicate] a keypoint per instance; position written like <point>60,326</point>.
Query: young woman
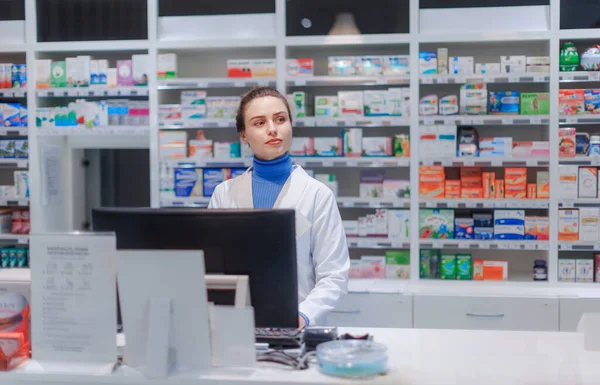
<point>264,122</point>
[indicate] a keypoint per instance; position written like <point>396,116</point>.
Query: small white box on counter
<point>566,270</point>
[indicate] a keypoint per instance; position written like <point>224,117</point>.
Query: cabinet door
<point>373,310</point>
<point>486,313</point>
<point>571,310</point>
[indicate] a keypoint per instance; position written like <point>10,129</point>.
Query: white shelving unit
<point>199,62</point>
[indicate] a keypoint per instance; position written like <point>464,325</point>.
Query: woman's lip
<point>274,141</point>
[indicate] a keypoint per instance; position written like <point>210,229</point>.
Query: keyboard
<point>282,338</point>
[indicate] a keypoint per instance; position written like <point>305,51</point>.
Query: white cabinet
<point>490,313</point>
<point>373,310</point>
<point>571,310</point>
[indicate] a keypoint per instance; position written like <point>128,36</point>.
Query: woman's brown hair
<point>255,93</point>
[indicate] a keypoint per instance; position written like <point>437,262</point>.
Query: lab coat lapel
<point>292,190</point>
<point>243,191</point>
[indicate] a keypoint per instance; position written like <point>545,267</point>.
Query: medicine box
<point>350,228</point>
<point>397,264</point>
<point>531,149</point>
<point>543,184</point>
<point>188,182</point>
<point>428,105</point>
<point>84,75</point>
<point>588,182</point>
<point>566,270</point>
<point>212,177</point>
<point>328,146</point>
<point>396,65</point>
<point>474,99</point>
<point>487,68</point>
<point>504,103</point>
<point>442,61</point>
<point>431,182</point>
<point>341,65</point>
<point>398,224</point>
<point>446,141</point>
<point>448,266</point>
<point>327,106</point>
<point>140,69</point>
<point>394,189</point>
<point>201,149</point>
<point>495,270</point>
<point>300,67</point>
<point>193,112</point>
<point>369,65</point>
<point>571,102</point>
<point>373,266</point>
<point>263,68</point>
<point>43,73</point>
<point>535,103</point>
<point>189,98</point>
<point>297,102</point>
<point>592,101</point>
<point>448,105</point>
<point>353,142</point>
<point>436,224</point>
<point>375,103</point>
<point>58,74</point>
<point>464,267</point>
<point>584,270</point>
<point>568,185</point>
<point>513,64</point>
<point>302,146</point>
<point>589,221</point>
<point>371,183</point>
<point>377,146</point>
<point>351,103</point>
<point>124,73</point>
<point>568,224</point>
<point>461,65</point>
<point>167,66</point>
<point>463,228</point>
<point>427,63</point>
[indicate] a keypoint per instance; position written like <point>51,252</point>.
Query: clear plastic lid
<point>352,358</point>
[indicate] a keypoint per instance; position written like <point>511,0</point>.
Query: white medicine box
<point>566,270</point>
<point>584,270</point>
<point>588,182</point>
<point>589,221</point>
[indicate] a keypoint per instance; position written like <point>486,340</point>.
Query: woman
<point>264,122</point>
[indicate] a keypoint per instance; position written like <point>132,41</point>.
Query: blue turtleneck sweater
<point>268,178</point>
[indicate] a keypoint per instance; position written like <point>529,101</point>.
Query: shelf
<point>346,202</point>
<point>580,160</point>
<point>304,162</point>
<point>579,34</point>
<point>16,274</point>
<point>579,119</point>
<point>468,244</point>
<point>581,202</point>
<point>196,123</point>
<point>96,131</point>
<point>485,203</point>
<point>14,163</point>
<point>529,77</point>
<point>475,37</point>
<point>91,92</point>
<point>579,246</point>
<point>14,202</point>
<point>487,120</point>
<point>20,239</point>
<point>339,81</point>
<point>87,46</point>
<point>374,121</point>
<point>376,243</point>
<point>579,76</point>
<point>200,83</point>
<point>14,131</point>
<point>374,203</point>
<point>201,44</point>
<point>18,93</point>
<point>486,162</point>
<point>319,41</point>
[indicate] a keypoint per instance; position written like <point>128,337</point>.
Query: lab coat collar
<point>288,197</point>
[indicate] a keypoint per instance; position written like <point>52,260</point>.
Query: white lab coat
<point>322,251</point>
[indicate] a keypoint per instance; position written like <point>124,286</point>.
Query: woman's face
<point>268,127</point>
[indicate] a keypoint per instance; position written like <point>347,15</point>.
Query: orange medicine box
<point>499,184</point>
<point>453,189</point>
<point>515,176</point>
<point>489,181</point>
<point>471,193</point>
<point>543,184</point>
<point>515,192</point>
<point>431,182</point>
<point>568,225</point>
<point>478,270</point>
<point>495,270</point>
<point>466,172</point>
<point>531,191</point>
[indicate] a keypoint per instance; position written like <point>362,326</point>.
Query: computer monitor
<point>257,243</point>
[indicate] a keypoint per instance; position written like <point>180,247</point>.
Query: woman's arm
<point>330,259</point>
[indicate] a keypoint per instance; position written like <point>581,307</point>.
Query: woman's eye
<point>280,119</point>
<point>259,123</point>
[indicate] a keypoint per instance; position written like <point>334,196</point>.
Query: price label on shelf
<point>23,240</point>
<point>539,78</point>
<point>463,245</point>
<point>531,246</point>
<point>477,121</point>
<point>484,245</point>
<point>23,202</point>
<point>469,162</point>
<point>571,119</point>
<point>513,79</point>
<point>536,120</point>
<point>427,80</point>
<point>429,122</point>
<point>488,204</point>
<point>565,246</point>
<point>22,164</point>
<point>507,120</point>
<point>300,82</point>
<point>595,76</point>
<point>567,76</point>
<point>352,163</point>
<point>465,121</point>
<point>442,79</point>
<point>75,92</point>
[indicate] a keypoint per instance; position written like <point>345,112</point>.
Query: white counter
<point>431,357</point>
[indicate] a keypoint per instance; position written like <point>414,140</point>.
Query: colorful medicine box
<point>504,103</point>
<point>592,101</point>
<point>436,224</point>
<point>535,103</point>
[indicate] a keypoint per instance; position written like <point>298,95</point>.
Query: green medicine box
<point>535,103</point>
<point>448,266</point>
<point>464,267</point>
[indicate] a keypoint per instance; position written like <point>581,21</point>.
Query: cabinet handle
<point>346,311</point>
<point>485,315</point>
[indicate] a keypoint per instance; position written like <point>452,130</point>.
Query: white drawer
<point>373,310</point>
<point>571,310</point>
<point>489,313</point>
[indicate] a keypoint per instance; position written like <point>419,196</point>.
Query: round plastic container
<point>595,145</point>
<point>352,358</point>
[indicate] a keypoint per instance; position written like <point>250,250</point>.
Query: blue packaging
<point>592,101</point>
<point>427,63</point>
<point>483,220</point>
<point>582,143</point>
<point>509,232</point>
<point>7,148</point>
<point>21,148</point>
<point>235,172</point>
<point>463,228</point>
<point>188,182</point>
<point>212,177</point>
<point>504,102</point>
<point>483,233</point>
<point>509,217</point>
<point>24,116</point>
<point>12,114</point>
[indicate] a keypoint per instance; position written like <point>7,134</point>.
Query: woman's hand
<point>301,322</point>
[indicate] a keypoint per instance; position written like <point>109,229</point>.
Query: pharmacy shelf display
<point>414,97</point>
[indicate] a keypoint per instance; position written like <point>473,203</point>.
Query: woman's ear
<point>243,137</point>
